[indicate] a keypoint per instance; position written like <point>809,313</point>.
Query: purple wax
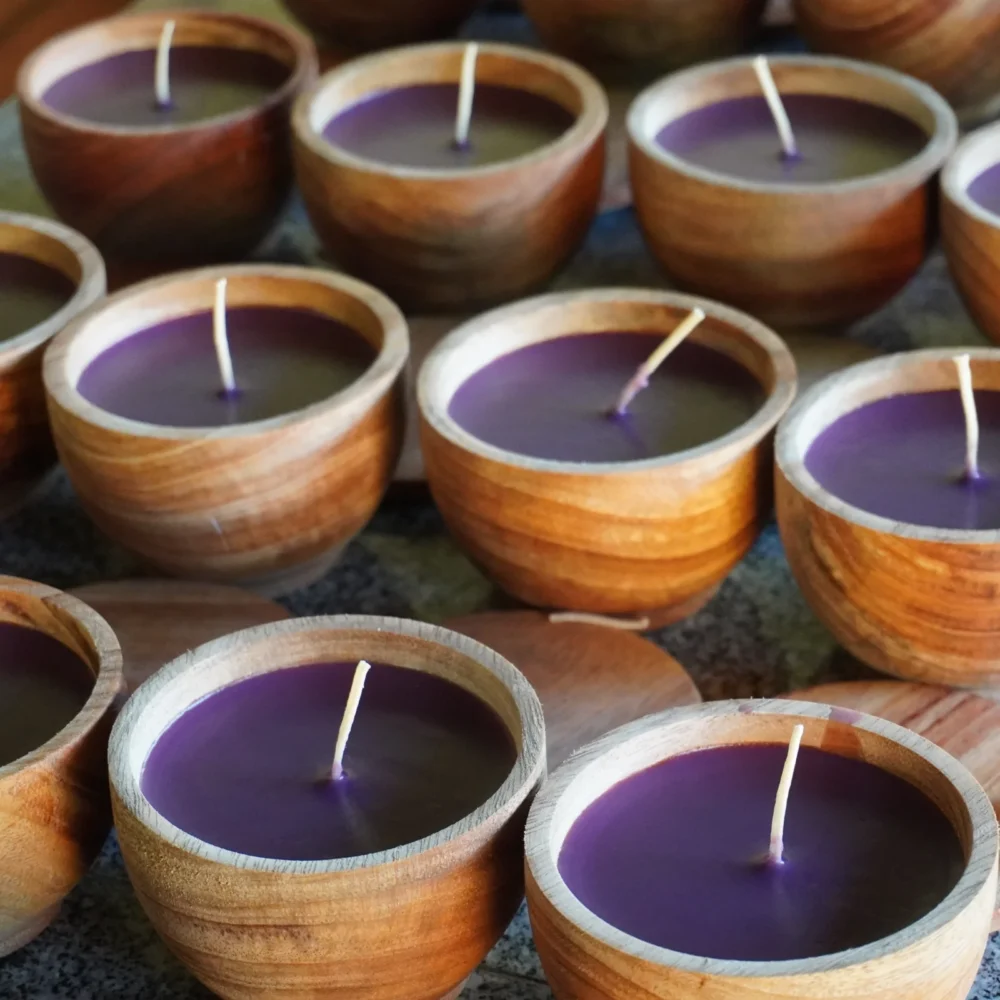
<point>205,82</point>
<point>415,126</point>
<point>673,855</point>
<point>248,768</point>
<point>985,189</point>
<point>552,400</point>
<point>283,358</point>
<point>43,685</point>
<point>903,458</point>
<point>838,139</point>
<point>30,292</point>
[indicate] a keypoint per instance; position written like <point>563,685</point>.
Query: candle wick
<point>640,379</point>
<point>971,416</point>
<point>776,854</point>
<point>347,722</point>
<point>605,621</point>
<point>777,106</point>
<point>162,70</point>
<point>466,93</point>
<point>221,338</point>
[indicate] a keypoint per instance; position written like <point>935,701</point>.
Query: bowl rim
<point>956,190</point>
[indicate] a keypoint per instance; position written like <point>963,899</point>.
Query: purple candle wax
<point>30,292</point>
<point>552,400</point>
<point>838,139</point>
<point>205,82</point>
<point>43,685</point>
<point>415,126</point>
<point>248,768</point>
<point>673,855</point>
<point>985,189</point>
<point>284,359</point>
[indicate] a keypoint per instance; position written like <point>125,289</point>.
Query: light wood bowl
<point>178,194</point>
<point>412,922</point>
<point>453,239</point>
<point>914,601</point>
<point>648,535</point>
<point>54,807</point>
<point>267,505</point>
<point>583,956</point>
<point>27,455</point>
<point>793,255</point>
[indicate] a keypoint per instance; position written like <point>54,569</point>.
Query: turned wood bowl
<point>268,504</point>
<point>910,600</point>
<point>795,255</point>
<point>174,194</point>
<point>453,239</point>
<point>658,534</point>
<point>27,455</point>
<point>406,924</point>
<point>584,956</point>
<point>54,806</point>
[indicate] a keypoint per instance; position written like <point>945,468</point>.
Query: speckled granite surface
<point>757,637</point>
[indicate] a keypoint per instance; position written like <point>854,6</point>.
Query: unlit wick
<point>466,93</point>
<point>763,70</point>
<point>221,338</point>
<point>162,70</point>
<point>971,416</point>
<point>347,722</point>
<point>776,853</point>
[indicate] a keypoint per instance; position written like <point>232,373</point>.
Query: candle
<point>30,292</point>
<point>984,189</point>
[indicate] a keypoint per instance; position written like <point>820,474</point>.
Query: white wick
<point>221,338</point>
<point>466,92</point>
<point>777,851</point>
<point>347,722</point>
<point>774,102</point>
<point>162,72</point>
<point>605,621</point>
<point>971,416</point>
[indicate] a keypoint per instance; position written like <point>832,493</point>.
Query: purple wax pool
<point>30,292</point>
<point>672,855</point>
<point>903,458</point>
<point>43,685</point>
<point>205,82</point>
<point>248,768</point>
<point>985,189</point>
<point>415,126</point>
<point>838,139</point>
<point>283,358</point>
<point>552,400</point>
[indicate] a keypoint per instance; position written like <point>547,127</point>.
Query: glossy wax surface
<point>904,457</point>
<point>204,82</point>
<point>672,855</point>
<point>838,139</point>
<point>552,400</point>
<point>248,768</point>
<point>415,126</point>
<point>283,359</point>
<point>43,685</point>
<point>30,292</point>
<point>985,189</point>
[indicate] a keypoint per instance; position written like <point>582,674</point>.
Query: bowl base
<point>670,615</point>
<point>17,936</point>
<point>456,992</point>
<point>284,581</point>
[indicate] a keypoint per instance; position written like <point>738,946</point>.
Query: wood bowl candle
<point>262,485</point>
<point>819,237</point>
<point>437,224</point>
<point>885,887</point>
<point>565,505</point>
<point>48,274</point>
<point>141,176</point>
<point>263,873</point>
<point>60,675</point>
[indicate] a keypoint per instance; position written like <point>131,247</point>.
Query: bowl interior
<point>42,246</point>
<point>975,154</point>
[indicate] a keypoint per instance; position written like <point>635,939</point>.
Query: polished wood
<point>613,537</point>
<point>54,808</point>
<point>449,240</point>
<point>268,505</point>
<point>410,922</point>
<point>936,957</point>
<point>179,194</point>
<point>819,255</point>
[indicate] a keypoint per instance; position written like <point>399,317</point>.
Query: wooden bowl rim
<point>525,773</point>
<point>108,679</point>
<point>435,411</point>
<point>955,185</point>
<point>914,171</point>
<point>304,65</point>
<point>590,122</point>
<point>363,392</point>
<point>541,855</point>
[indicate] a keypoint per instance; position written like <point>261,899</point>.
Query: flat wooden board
<point>820,354</point>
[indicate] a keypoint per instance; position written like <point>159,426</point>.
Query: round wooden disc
<point>157,620</point>
<point>590,679</point>
<point>617,191</point>
<point>818,355</point>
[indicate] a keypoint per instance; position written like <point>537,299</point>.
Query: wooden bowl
<point>411,922</point>
<point>791,254</point>
<point>453,239</point>
<point>910,600</point>
<point>653,535</point>
<point>583,956</point>
<point>54,807</point>
<point>27,454</point>
<point>269,504</point>
<point>179,194</point>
